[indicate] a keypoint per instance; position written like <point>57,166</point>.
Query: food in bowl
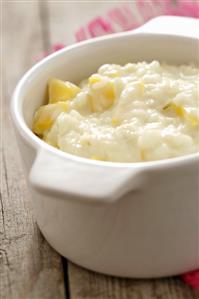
<point>132,113</point>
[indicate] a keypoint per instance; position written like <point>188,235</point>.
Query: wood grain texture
<point>29,267</point>
<point>85,284</point>
<point>64,20</point>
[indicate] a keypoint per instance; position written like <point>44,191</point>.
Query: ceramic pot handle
<point>171,25</point>
<point>59,175</point>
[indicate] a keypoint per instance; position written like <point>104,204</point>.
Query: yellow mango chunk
<point>142,87</point>
<point>50,142</point>
<point>194,121</point>
<point>102,98</point>
<point>142,155</point>
<point>115,122</point>
<point>46,115</point>
<point>95,78</point>
<point>61,91</point>
<point>98,158</point>
<point>109,92</point>
<point>181,112</point>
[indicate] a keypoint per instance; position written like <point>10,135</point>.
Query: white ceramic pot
<point>131,220</point>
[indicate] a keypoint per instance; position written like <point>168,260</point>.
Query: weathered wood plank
<point>29,267</point>
<point>88,285</point>
<point>65,18</point>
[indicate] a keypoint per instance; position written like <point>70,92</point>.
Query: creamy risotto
<point>136,112</point>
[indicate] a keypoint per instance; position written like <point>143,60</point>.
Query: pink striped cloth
<point>123,18</point>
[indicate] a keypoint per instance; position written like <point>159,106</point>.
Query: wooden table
<point>29,267</point>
